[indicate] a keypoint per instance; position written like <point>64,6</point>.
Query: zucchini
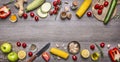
<point>110,11</point>
<point>41,14</point>
<point>46,7</point>
<point>35,4</point>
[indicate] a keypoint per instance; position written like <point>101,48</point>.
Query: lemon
<point>21,54</point>
<point>85,53</point>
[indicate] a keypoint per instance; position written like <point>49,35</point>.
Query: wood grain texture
<point>85,30</point>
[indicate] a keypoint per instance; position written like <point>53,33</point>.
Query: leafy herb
<point>101,52</point>
<point>9,2</point>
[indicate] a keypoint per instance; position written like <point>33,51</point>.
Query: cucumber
<point>46,7</point>
<point>41,14</point>
<point>110,11</point>
<point>35,4</point>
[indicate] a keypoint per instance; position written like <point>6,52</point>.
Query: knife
<point>39,53</point>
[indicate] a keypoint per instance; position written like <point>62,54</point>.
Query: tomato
<point>97,6</point>
<point>106,3</point>
<point>99,12</point>
<point>89,14</point>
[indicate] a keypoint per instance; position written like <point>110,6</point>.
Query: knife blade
<point>39,53</point>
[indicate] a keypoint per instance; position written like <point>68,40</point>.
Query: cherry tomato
<point>36,18</point>
<point>51,12</point>
<point>97,6</point>
<point>25,16</point>
<point>101,7</point>
<point>102,45</point>
<point>32,14</point>
<point>89,14</point>
<point>59,2</point>
<point>54,11</point>
<point>106,3</point>
<point>18,44</point>
<point>74,57</point>
<point>55,3</point>
<point>99,12</point>
<point>30,54</point>
<point>56,8</point>
<point>92,47</point>
<point>24,45</point>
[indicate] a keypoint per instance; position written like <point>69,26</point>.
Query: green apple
<point>12,57</point>
<point>6,47</point>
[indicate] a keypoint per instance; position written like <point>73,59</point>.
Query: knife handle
<point>32,58</point>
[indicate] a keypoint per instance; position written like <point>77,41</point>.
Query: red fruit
<point>99,12</point>
<point>30,54</point>
<point>74,57</point>
<point>101,7</point>
<point>106,3</point>
<point>51,12</point>
<point>36,18</point>
<point>89,14</point>
<point>58,2</point>
<point>92,47</point>
<point>102,45</point>
<point>97,6</point>
<point>32,14</point>
<point>46,56</point>
<point>56,8</point>
<point>18,44</point>
<point>55,3</point>
<point>54,11</point>
<point>25,16</point>
<point>24,45</point>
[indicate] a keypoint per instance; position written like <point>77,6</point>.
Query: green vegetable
<point>46,7</point>
<point>11,1</point>
<point>35,4</point>
<point>110,11</point>
<point>41,14</point>
<point>101,52</point>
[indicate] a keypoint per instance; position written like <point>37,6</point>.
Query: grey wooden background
<point>85,30</point>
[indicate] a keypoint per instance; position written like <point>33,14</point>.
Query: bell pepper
<point>4,12</point>
<point>114,54</point>
<point>46,56</point>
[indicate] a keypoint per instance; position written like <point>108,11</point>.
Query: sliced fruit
<point>21,54</point>
<point>95,56</point>
<point>42,15</point>
<point>85,53</point>
<point>46,7</point>
<point>13,18</point>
